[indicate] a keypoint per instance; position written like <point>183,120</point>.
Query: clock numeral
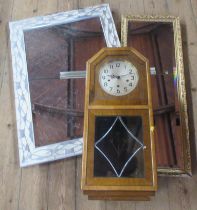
<point>130,71</point>
<point>125,89</point>
<point>132,77</point>
<point>105,84</point>
<point>117,64</point>
<point>130,84</point>
<point>106,71</point>
<point>111,66</point>
<point>111,88</point>
<point>103,77</point>
<point>118,91</point>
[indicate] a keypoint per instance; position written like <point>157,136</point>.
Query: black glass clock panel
<point>118,146</point>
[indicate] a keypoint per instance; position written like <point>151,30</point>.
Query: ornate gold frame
<point>180,85</point>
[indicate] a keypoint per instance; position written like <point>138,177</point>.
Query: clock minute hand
<point>125,74</point>
<point>118,76</point>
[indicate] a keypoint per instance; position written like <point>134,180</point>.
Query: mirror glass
<point>155,40</point>
<point>58,104</point>
<point>118,147</point>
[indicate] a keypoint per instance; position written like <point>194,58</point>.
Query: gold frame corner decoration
<point>180,84</point>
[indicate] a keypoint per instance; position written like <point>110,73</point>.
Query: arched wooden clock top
<point>118,72</point>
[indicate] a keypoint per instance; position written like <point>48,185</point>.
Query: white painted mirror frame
<point>28,153</point>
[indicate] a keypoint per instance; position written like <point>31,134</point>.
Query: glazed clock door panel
<point>58,105</point>
<point>119,147</point>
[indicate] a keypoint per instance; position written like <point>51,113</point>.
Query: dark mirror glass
<point>155,40</point>
<point>58,104</point>
<point>119,146</point>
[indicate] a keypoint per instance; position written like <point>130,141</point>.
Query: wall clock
<point>119,153</point>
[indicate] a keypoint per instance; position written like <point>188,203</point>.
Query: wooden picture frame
<point>179,79</point>
<point>30,154</point>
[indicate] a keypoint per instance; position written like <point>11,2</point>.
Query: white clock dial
<point>118,77</point>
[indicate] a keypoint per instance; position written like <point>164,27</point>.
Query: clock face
<point>118,77</point>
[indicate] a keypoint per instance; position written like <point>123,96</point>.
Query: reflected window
<point>155,40</point>
<point>58,105</point>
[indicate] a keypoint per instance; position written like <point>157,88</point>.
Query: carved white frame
<point>28,153</point>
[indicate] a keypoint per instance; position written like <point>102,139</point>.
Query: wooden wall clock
<point>119,151</point>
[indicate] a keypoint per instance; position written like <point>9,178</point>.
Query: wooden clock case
<point>99,104</point>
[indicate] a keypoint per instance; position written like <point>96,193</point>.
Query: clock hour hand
<point>113,76</point>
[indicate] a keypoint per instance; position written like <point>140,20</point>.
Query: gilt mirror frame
<point>29,154</point>
<point>180,83</point>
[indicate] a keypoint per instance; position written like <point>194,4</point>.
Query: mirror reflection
<point>155,40</point>
<point>58,104</point>
<point>118,147</point>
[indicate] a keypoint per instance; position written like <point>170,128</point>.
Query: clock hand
<point>113,76</point>
<point>125,74</point>
<point>118,76</point>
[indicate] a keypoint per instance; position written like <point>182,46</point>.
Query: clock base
<point>120,195</point>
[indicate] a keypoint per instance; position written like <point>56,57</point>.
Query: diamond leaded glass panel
<point>119,147</point>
